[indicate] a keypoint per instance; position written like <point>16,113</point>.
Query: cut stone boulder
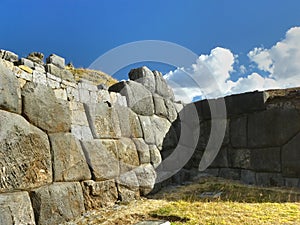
<point>139,98</point>
<point>162,87</point>
<point>10,93</point>
<point>9,56</point>
<point>128,186</point>
<point>144,76</point>
<point>15,208</point>
<point>44,110</point>
<point>99,194</point>
<point>57,203</point>
<point>146,176</point>
<point>56,60</point>
<point>69,162</point>
<point>25,157</point>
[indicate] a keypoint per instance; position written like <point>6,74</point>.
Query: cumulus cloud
<point>210,76</point>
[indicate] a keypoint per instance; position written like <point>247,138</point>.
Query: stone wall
<point>68,146</point>
<point>262,138</point>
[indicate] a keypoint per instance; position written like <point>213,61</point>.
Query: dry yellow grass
<point>238,204</point>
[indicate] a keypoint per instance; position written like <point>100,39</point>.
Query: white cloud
<point>209,77</point>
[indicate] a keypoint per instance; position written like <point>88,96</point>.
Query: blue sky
<point>81,31</point>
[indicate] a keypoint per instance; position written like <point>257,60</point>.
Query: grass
<point>238,204</point>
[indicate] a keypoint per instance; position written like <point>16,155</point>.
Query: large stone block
<point>272,127</point>
<point>146,177</point>
<point>171,109</point>
<point>25,157</point>
<point>104,120</point>
<point>290,157</point>
<point>128,186</point>
<point>99,194</point>
<point>69,163</point>
<point>221,159</point>
<point>238,132</point>
<point>128,155</point>
<point>57,203</point>
<point>56,60</point>
<point>155,156</point>
<point>44,110</point>
<point>129,122</point>
<point>15,208</point>
<point>162,87</point>
<point>9,56</point>
<point>10,93</point>
<point>148,133</point>
<point>142,149</point>
<point>103,159</point>
<point>239,158</point>
<point>139,98</point>
<point>144,76</point>
<point>269,179</point>
<point>266,160</point>
<point>63,74</point>
<point>160,106</point>
<point>160,128</point>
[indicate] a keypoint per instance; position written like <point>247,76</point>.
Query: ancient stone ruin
<point>69,144</point>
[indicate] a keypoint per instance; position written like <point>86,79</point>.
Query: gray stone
<point>162,87</point>
<point>160,106</point>
<point>148,133</point>
<point>128,156</point>
<point>248,177</point>
<point>69,163</point>
<point>290,157</point>
<point>10,93</point>
<point>128,186</point>
<point>146,176</point>
<point>221,159</point>
<point>155,156</point>
<point>142,149</point>
<point>160,128</point>
<point>104,120</point>
<point>26,62</point>
<point>15,208</point>
<point>239,158</point>
<point>144,76</point>
<point>25,157</point>
<point>178,107</point>
<point>40,78</point>
<point>273,127</point>
<point>229,173</point>
<point>172,113</point>
<point>266,160</point>
<point>269,179</point>
<point>292,182</point>
<point>238,132</point>
<point>99,194</point>
<point>63,74</point>
<point>102,157</point>
<point>9,56</point>
<point>129,122</point>
<point>57,203</point>
<point>139,99</point>
<point>44,110</point>
<point>56,60</point>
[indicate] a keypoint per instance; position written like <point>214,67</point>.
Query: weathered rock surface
<point>160,128</point>
<point>291,157</point>
<point>8,55</point>
<point>162,87</point>
<point>128,186</point>
<point>104,120</point>
<point>144,76</point>
<point>146,178</point>
<point>56,60</point>
<point>99,194</point>
<point>143,150</point>
<point>102,157</point>
<point>57,203</point>
<point>44,110</point>
<point>15,208</point>
<point>24,154</point>
<point>138,97</point>
<point>69,163</point>
<point>63,74</point>
<point>10,93</point>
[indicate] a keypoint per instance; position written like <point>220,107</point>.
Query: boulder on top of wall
<point>63,74</point>
<point>10,92</point>
<point>162,87</point>
<point>44,110</point>
<point>69,163</point>
<point>9,56</point>
<point>139,98</point>
<point>15,208</point>
<point>144,76</point>
<point>57,203</point>
<point>25,157</point>
<point>56,60</point>
<point>36,57</point>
